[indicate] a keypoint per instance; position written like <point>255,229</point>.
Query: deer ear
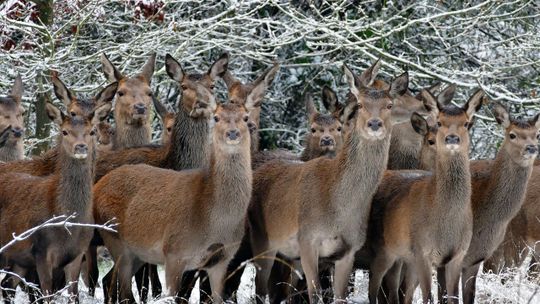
<point>330,100</point>
<point>368,76</point>
<point>219,67</point>
<point>161,110</point>
<point>111,72</point>
<point>400,85</point>
<point>148,68</point>
<point>54,113</point>
<point>260,86</point>
<point>101,112</point>
<point>173,68</point>
<point>430,102</point>
<point>536,121</point>
<point>17,89</point>
<point>61,91</point>
<point>348,112</point>
<point>474,103</point>
<point>434,87</point>
<point>229,79</point>
<point>310,106</point>
<point>350,78</point>
<point>107,94</point>
<point>501,115</point>
<point>446,96</point>
<point>419,124</point>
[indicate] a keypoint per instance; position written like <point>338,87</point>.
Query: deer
<point>427,220</point>
<point>132,104</point>
<point>279,217</point>
<point>188,148</point>
<point>220,191</point>
<point>67,191</point>
<point>11,115</point>
<point>167,117</point>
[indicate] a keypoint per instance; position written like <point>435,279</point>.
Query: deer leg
<point>264,259</point>
<point>45,275</point>
<point>441,285</point>
<point>92,271</point>
<point>109,283</point>
<point>410,282</point>
<point>342,274</point>
<point>453,271</point>
<point>72,271</point>
<point>309,258</point>
<point>142,281</point>
<point>423,269</point>
<point>280,281</point>
<point>377,270</point>
<point>468,283</point>
<point>124,269</point>
<point>391,282</point>
<point>154,280</point>
<point>174,271</point>
<point>216,275</point>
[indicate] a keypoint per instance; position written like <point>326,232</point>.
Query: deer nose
<point>233,134</point>
<point>531,149</point>
<point>374,124</point>
<point>81,149</point>
<point>17,132</point>
<point>327,141</point>
<point>140,108</point>
<point>452,139</point>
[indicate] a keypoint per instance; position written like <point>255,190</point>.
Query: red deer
<point>66,191</point>
<point>132,105</point>
<point>220,192</point>
<point>428,219</point>
<point>498,194</point>
<point>167,119</point>
<point>188,148</point>
<point>282,218</point>
<point>11,114</point>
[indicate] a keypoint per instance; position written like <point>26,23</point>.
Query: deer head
<point>521,136</point>
<point>190,83</point>
<point>134,94</point>
<point>167,117</point>
<point>11,112</point>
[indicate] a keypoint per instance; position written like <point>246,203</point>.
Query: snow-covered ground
<point>517,288</point>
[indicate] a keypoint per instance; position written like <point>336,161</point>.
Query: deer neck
<point>13,150</point>
<point>507,187</point>
<point>189,146</point>
<point>132,135</point>
<point>75,180</point>
<point>360,166</point>
<point>452,181</point>
<point>230,177</point>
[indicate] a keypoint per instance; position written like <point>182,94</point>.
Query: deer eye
<point>73,114</point>
<point>389,106</point>
<point>120,93</point>
<point>216,118</point>
<point>212,87</point>
<point>149,94</point>
<point>431,142</point>
<point>64,132</point>
<point>439,123</point>
<point>184,87</point>
<point>512,136</point>
<point>339,129</point>
<point>466,125</point>
<point>92,133</point>
<point>169,129</point>
<point>313,130</point>
<point>246,118</point>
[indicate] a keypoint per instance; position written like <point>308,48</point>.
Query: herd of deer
<point>384,184</point>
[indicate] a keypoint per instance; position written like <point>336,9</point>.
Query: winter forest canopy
<point>491,44</point>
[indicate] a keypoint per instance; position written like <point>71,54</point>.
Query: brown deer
<point>188,148</point>
<point>167,119</point>
<point>220,192</point>
<point>282,218</point>
<point>11,115</point>
<point>66,191</point>
<point>499,193</point>
<point>132,105</point>
<point>428,219</point>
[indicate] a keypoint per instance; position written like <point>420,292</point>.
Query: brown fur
<point>66,191</point>
<point>105,135</point>
<point>221,193</point>
<point>132,105</point>
<point>167,118</point>
<point>282,217</point>
<point>411,228</point>
<point>11,115</point>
